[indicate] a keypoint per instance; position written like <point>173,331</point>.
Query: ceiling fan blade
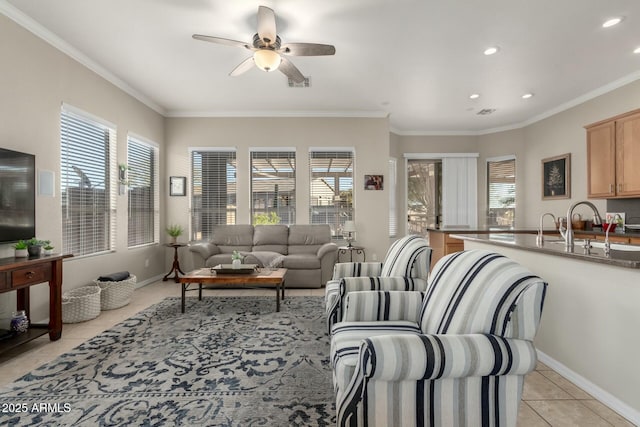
<point>220,40</point>
<point>243,67</point>
<point>290,70</point>
<point>266,25</point>
<point>307,49</point>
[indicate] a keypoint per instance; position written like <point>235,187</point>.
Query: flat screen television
<point>17,195</point>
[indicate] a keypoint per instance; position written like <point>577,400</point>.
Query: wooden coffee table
<point>261,277</point>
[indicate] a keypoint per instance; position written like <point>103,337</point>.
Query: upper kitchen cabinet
<point>613,148</point>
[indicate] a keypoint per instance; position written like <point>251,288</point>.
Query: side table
<point>359,250</point>
<point>175,268</point>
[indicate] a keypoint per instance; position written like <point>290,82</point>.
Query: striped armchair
<point>405,268</point>
<point>454,355</point>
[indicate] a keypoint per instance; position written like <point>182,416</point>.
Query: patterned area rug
<point>227,361</point>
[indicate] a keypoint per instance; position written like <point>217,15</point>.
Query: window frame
<point>285,207</point>
<point>154,178</point>
<point>507,213</point>
<point>78,128</point>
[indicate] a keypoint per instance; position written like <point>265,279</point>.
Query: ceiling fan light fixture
<point>267,60</point>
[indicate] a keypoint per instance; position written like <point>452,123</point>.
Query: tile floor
<point>548,398</point>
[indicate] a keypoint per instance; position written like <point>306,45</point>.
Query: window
<point>501,191</point>
<point>273,187</point>
<point>213,191</point>
<point>87,183</point>
<point>142,181</point>
<point>331,192</point>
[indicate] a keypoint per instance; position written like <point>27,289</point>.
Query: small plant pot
<point>235,264</point>
<point>21,253</point>
<point>611,227</point>
<point>47,251</point>
<point>34,250</point>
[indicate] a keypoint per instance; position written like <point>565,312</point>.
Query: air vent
<point>485,111</point>
<point>305,83</point>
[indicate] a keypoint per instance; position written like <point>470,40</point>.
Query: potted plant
<point>34,246</point>
<point>21,249</point>
<point>174,231</point>
<point>236,259</point>
<point>47,249</point>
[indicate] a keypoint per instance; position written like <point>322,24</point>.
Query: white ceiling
<point>416,60</point>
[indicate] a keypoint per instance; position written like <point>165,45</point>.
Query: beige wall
<point>369,138</point>
<point>35,80</point>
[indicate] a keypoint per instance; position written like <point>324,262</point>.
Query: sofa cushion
<point>233,237</point>
<point>271,238</point>
<point>307,239</point>
<point>264,258</point>
<point>301,261</point>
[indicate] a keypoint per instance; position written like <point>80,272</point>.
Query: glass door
<point>424,195</point>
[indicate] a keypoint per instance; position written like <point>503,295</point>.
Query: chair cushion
<point>271,238</point>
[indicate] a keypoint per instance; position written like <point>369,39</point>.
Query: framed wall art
<point>178,186</point>
<point>373,182</point>
<point>556,177</point>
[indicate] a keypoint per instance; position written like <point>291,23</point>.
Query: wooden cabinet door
<point>628,156</point>
<point>601,158</point>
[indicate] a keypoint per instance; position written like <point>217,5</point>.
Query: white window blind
<point>88,181</point>
<point>501,191</point>
<point>213,191</point>
<point>331,192</point>
<point>393,206</point>
<point>273,187</point>
<point>143,194</point>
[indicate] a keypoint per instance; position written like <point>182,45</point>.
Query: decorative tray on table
<point>228,269</point>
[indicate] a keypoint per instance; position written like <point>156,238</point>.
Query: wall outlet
<point>146,263</point>
<point>374,257</point>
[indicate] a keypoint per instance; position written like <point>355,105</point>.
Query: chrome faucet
<point>540,237</point>
<point>568,233</point>
<point>607,244</point>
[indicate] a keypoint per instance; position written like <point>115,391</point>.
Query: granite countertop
<point>555,246</point>
<point>525,230</point>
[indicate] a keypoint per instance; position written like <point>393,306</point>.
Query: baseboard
<point>149,281</point>
<point>599,393</point>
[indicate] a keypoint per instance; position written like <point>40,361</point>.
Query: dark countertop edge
<point>525,231</point>
<point>528,243</point>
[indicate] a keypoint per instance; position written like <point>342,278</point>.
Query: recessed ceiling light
<point>474,96</point>
<point>527,95</point>
<point>491,50</point>
<point>637,50</point>
<point>611,22</point>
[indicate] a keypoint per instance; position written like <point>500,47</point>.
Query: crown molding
<point>269,114</point>
<point>40,31</point>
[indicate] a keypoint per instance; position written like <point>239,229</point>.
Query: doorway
<point>424,195</point>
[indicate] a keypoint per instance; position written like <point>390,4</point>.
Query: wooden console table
<point>19,274</point>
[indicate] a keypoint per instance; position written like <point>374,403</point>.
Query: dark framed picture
<point>178,186</point>
<point>373,182</point>
<point>556,177</point>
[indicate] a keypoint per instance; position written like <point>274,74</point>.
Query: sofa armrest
<point>327,248</point>
<point>356,269</point>
<point>431,357</point>
<point>371,306</point>
<point>204,249</point>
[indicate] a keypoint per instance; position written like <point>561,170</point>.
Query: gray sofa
<point>305,250</point>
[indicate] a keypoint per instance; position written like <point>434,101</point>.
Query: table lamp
<point>348,230</point>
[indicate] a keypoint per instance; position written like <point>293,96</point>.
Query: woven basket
<point>116,294</point>
<point>81,304</point>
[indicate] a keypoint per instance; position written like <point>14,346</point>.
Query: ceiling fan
<point>268,49</point>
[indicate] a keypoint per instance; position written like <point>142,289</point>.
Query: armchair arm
<point>356,269</point>
<point>430,357</point>
<point>371,306</point>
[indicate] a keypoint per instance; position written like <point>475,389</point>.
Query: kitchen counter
<point>555,246</point>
